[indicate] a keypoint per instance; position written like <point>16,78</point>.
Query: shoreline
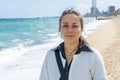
<point>107,40</point>
<point>103,36</point>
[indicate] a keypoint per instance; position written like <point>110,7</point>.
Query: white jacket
<point>86,65</point>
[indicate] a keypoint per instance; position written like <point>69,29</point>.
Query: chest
<point>80,68</point>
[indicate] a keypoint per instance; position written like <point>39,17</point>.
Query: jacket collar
<point>82,47</point>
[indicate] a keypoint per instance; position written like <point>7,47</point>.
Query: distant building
<point>111,9</point>
<point>95,12</point>
<point>118,12</point>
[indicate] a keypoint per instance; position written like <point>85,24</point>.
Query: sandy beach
<point>107,40</point>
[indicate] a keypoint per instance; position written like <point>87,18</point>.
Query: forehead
<point>70,17</point>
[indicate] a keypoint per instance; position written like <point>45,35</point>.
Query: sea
<point>28,32</point>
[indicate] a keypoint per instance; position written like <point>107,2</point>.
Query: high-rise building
<point>93,3</point>
<point>111,9</point>
<point>94,10</point>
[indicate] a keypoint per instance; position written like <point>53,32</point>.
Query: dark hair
<point>71,11</point>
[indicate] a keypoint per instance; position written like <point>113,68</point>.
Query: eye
<point>65,26</point>
<point>74,26</point>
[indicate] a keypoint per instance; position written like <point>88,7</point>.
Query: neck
<point>71,47</point>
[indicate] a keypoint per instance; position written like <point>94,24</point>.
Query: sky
<point>46,8</point>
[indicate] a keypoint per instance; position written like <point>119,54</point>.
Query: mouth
<point>70,36</point>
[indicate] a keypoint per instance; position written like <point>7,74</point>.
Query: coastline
<point>107,40</point>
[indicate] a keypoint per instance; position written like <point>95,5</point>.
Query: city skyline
<point>37,8</point>
<point>96,12</point>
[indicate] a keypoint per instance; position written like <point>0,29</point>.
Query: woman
<point>73,59</point>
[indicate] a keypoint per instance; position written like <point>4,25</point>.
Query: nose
<point>70,29</point>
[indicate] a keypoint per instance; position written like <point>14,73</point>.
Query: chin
<point>70,41</point>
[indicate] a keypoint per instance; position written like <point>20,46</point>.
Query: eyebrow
<point>74,23</point>
<point>67,23</point>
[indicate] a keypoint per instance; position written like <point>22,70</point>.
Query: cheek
<point>62,33</point>
<point>79,32</point>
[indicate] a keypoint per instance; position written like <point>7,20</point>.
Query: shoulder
<point>58,47</point>
<point>96,56</point>
<point>92,52</point>
<point>50,55</point>
<point>52,50</point>
<point>95,52</point>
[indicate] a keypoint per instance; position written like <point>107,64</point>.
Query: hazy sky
<point>40,8</point>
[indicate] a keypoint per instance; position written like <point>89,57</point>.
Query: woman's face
<point>70,28</point>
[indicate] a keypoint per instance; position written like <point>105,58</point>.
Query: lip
<point>69,36</point>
